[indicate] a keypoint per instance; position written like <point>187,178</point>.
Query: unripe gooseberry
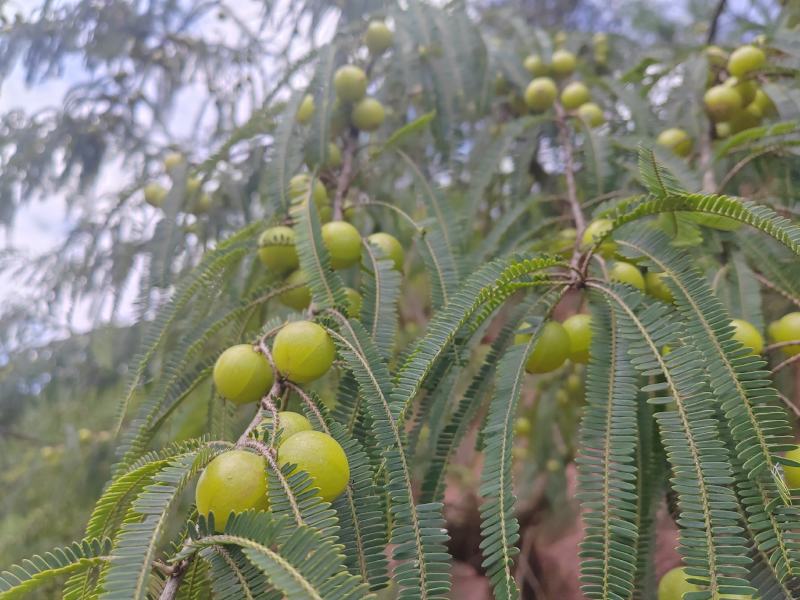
<point>748,336</point>
<point>193,185</point>
<point>722,130</point>
<point>563,63</point>
<point>722,102</point>
<point>154,194</point>
<point>598,229</point>
<point>674,584</point>
<point>655,286</point>
<point>321,456</point>
<point>716,56</point>
<point>746,89</point>
<point>575,94</point>
<point>592,114</point>
<point>390,246</point>
<point>298,189</point>
<point>579,331</point>
<point>540,94</point>
<point>378,38</point>
<point>233,482</point>
<point>201,204</point>
<point>626,273</point>
<point>354,302</point>
<point>289,423</point>
<point>350,83</point>
<point>303,351</point>
<point>746,59</point>
<point>550,349</point>
<point>764,102</point>
<point>299,296</point>
<point>677,140</point>
<point>522,426</point>
<point>535,65</point>
<point>306,109</point>
<point>276,249</point>
<point>368,114</point>
<point>747,118</point>
<point>334,160</point>
<point>343,242</point>
<point>792,474</point>
<point>787,329</point>
<point>242,374</point>
<point>173,160</point>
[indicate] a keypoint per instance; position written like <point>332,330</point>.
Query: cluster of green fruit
<point>197,201</point>
<point>675,583</point>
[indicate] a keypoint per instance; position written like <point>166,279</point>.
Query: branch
<point>572,191</point>
<point>714,25</point>
<point>170,590</point>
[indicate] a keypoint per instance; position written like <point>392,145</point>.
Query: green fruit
<point>598,229</point>
<point>390,246</point>
<point>306,110</point>
<point>540,94</point>
<point>343,242</point>
<point>202,204</point>
<point>563,63</point>
<point>748,336</point>
<point>787,329</point>
<point>592,114</point>
<point>574,385</point>
<point>173,160</point>
<point>535,65</point>
<point>289,423</point>
<point>154,194</point>
<point>792,474</point>
<point>579,331</point>
<point>722,102</point>
<point>350,83</point>
<point>550,350</point>
<point>655,286</point>
<point>321,456</point>
<point>674,585</point>
<point>303,351</point>
<point>235,481</point>
<point>716,56</point>
<point>574,95</point>
<point>564,244</point>
<point>298,189</point>
<point>368,114</point>
<point>746,89</point>
<point>242,375</point>
<point>193,185</point>
<point>299,297</point>
<point>764,103</point>
<point>378,38</point>
<point>354,302</point>
<point>747,118</point>
<point>276,249</point>
<point>334,156</point>
<point>722,130</point>
<point>676,140</point>
<point>501,86</point>
<point>746,59</point>
<point>626,273</point>
<point>522,426</point>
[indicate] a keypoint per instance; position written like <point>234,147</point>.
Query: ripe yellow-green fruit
<point>655,286</point>
<point>303,351</point>
<point>343,242</point>
<point>746,59</point>
<point>378,38</point>
<point>550,350</point>
<point>764,103</point>
<point>390,246</point>
<point>242,375</point>
<point>154,194</point>
<point>522,426</point>
<point>597,229</point>
<point>306,109</point>
<point>540,94</point>
<point>746,118</point>
<point>354,302</point>
<point>792,474</point>
<point>84,434</point>
<point>626,273</point>
<point>321,456</point>
<point>276,249</point>
<point>787,329</point>
<point>748,336</point>
<point>574,95</point>
<point>722,102</point>
<point>173,160</point>
<point>289,423</point>
<point>722,130</point>
<point>717,57</point>
<point>350,83</point>
<point>299,297</point>
<point>193,185</point>
<point>334,160</point>
<point>368,114</point>
<point>674,585</point>
<point>676,140</point>
<point>746,89</point>
<point>563,63</point>
<point>235,481</point>
<point>592,114</point>
<point>579,331</point>
<point>535,65</point>
<point>201,204</point>
<point>298,189</point>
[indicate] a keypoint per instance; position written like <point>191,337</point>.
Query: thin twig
<point>768,284</point>
<point>777,345</point>
<point>569,174</point>
<point>786,363</point>
<point>170,590</point>
<point>741,165</point>
<point>714,25</point>
<point>346,175</point>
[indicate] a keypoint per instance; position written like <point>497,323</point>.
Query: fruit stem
<point>346,175</point>
<point>787,362</point>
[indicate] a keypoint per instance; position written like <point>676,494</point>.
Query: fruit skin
<point>242,375</point>
<point>201,204</point>
<point>354,302</point>
<point>579,331</point>
<point>787,329</point>
<point>334,160</point>
<point>746,59</point>
<point>746,118</point>
<point>574,95</point>
<point>626,273</point>
<point>235,481</point>
<point>592,114</point>
<point>722,102</point>
<point>535,65</point>
<point>717,57</point>
<point>764,102</point>
<point>368,114</point>
<point>522,426</point>
<point>350,83</point>
<point>298,188</point>
<point>674,585</point>
<point>540,94</point>
<point>391,247</point>
<point>154,194</point>
<point>551,348</point>
<point>792,474</point>
<point>748,336</point>
<point>596,229</point>
<point>655,286</point>
<point>306,110</point>
<point>276,249</point>
<point>289,423</point>
<point>676,140</point>
<point>746,89</point>
<point>722,130</point>
<point>321,456</point>
<point>303,351</point>
<point>563,63</point>
<point>343,242</point>
<point>298,298</point>
<point>379,38</point>
<point>173,160</point>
